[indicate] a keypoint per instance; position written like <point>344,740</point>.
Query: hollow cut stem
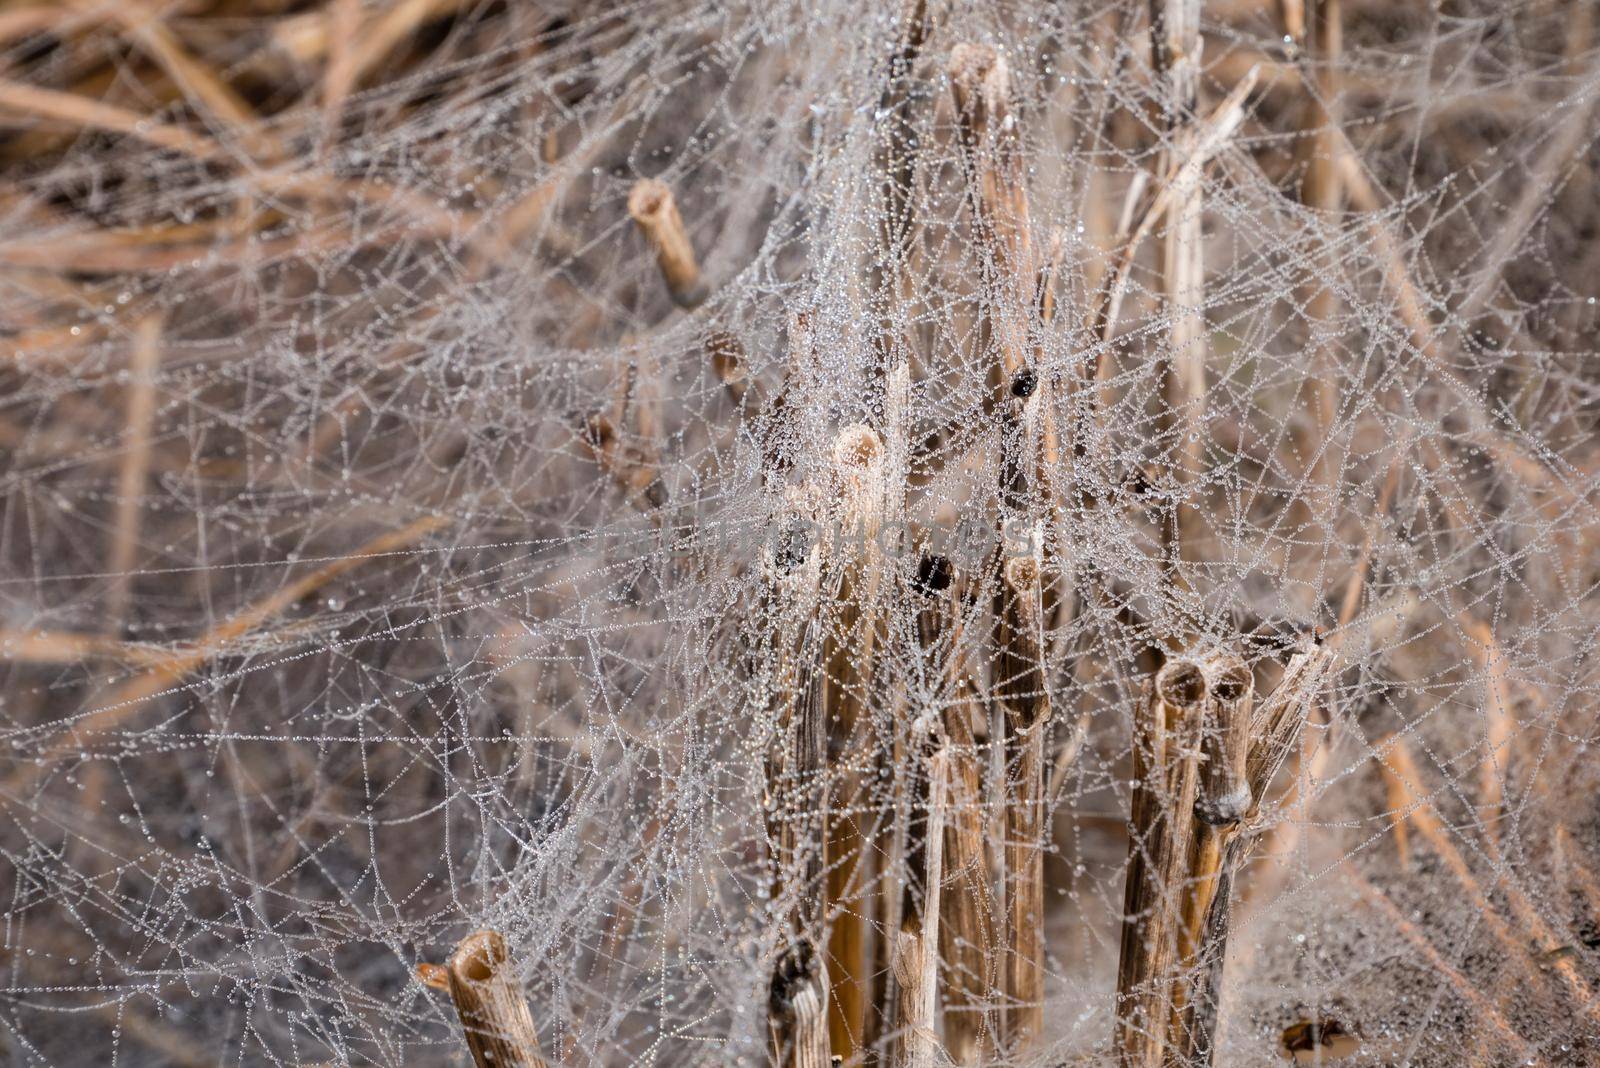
<point>653,208</point>
<point>495,1018</point>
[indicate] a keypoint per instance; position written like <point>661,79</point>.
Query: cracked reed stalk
<point>1020,689</point>
<point>494,1013</point>
<point>967,941</point>
<point>1274,727</point>
<point>916,959</point>
<point>1221,803</point>
<point>1166,755</point>
<point>652,207</point>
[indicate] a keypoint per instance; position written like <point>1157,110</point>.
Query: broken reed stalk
<point>967,941</point>
<point>916,958</point>
<point>1220,807</point>
<point>495,1018</point>
<point>1273,729</point>
<point>1020,689</point>
<point>1167,730</point>
<point>653,208</point>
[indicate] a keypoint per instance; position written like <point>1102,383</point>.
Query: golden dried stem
<point>1167,732</point>
<point>196,80</point>
<point>494,1013</point>
<point>1524,942</point>
<point>653,208</point>
<point>126,701</point>
<point>1499,723</point>
<point>71,647</point>
<point>141,409</point>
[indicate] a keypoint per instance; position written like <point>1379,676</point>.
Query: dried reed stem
<point>1175,63</point>
<point>1167,732</point>
<point>1272,730</point>
<point>849,649</point>
<point>494,1013</point>
<point>1020,689</point>
<point>1421,812</point>
<point>916,959</point>
<point>967,939</point>
<point>992,158</point>
<point>1221,804</point>
<point>197,81</point>
<point>1322,190</point>
<point>653,208</point>
<point>1181,174</point>
<point>135,469</point>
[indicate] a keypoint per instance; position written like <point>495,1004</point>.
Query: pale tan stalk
<point>653,208</point>
<point>1182,173</point>
<point>143,367</point>
<point>1175,61</point>
<point>495,1018</point>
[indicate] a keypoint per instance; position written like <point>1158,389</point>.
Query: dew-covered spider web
<point>392,547</point>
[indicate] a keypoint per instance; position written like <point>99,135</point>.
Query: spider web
<point>385,555</point>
